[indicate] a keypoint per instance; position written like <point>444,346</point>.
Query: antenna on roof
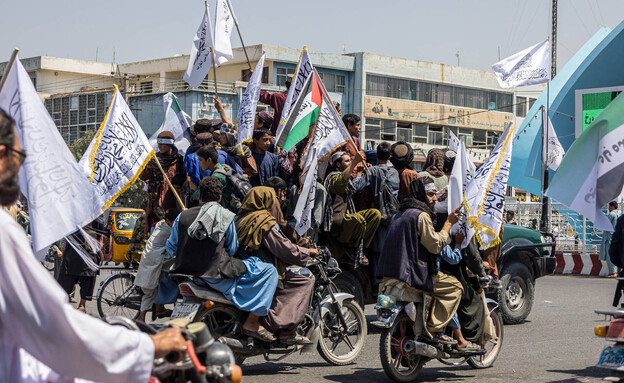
<point>344,49</point>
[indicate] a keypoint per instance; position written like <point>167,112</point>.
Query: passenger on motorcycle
<point>410,254</point>
<point>204,240</point>
<point>260,236</point>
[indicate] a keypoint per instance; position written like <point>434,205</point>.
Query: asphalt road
<point>555,344</point>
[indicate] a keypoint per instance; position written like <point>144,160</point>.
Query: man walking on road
<point>606,240</point>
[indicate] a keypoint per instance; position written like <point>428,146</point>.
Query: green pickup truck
<point>526,255</point>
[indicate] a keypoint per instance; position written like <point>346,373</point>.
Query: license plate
<point>185,310</point>
<point>612,357</point>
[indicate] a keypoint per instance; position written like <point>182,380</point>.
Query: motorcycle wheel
<point>337,347</point>
<point>397,364</point>
<point>493,346</point>
<point>221,321</point>
<point>119,296</point>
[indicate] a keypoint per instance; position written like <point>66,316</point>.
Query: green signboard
<point>594,104</point>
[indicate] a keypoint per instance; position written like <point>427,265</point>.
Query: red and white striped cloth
<point>582,264</point>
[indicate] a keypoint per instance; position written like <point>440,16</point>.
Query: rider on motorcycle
<point>412,258</point>
<point>204,240</point>
<point>260,236</point>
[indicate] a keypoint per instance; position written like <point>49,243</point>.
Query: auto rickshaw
<point>120,224</point>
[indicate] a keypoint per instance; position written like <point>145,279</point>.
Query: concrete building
<point>398,99</point>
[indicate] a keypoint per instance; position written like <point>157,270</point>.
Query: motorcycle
<point>334,323</point>
<point>203,361</point>
<point>406,344</point>
<point>612,356</point>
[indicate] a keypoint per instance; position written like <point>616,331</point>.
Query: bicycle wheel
<point>118,296</point>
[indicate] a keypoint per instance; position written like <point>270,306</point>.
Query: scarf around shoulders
<point>255,218</point>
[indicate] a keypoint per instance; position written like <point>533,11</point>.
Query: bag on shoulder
<point>239,186</point>
<point>387,202</point>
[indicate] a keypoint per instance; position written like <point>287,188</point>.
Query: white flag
<point>60,198</point>
<point>552,147</point>
<point>201,53</point>
<point>175,122</point>
<point>329,134</point>
<point>302,72</point>
<point>485,193</point>
<point>305,203</point>
<point>118,153</point>
<point>453,142</point>
<point>529,67</point>
<point>249,102</point>
<point>224,24</point>
<point>462,173</point>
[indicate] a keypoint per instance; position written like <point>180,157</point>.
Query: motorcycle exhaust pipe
<point>424,349</point>
<point>234,344</point>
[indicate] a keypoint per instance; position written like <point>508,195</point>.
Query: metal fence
<point>572,232</point>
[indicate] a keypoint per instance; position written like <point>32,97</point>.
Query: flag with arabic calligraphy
<point>329,134</point>
<point>118,153</point>
<point>200,60</point>
<point>484,198</point>
<point>249,103</point>
<point>592,172</point>
<point>60,199</point>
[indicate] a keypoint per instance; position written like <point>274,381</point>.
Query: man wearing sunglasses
<point>42,338</point>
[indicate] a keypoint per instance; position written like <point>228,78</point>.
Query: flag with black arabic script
<point>249,103</point>
<point>60,198</point>
<point>462,173</point>
<point>200,60</point>
<point>528,67</point>
<point>302,72</point>
<point>118,153</point>
<point>484,198</point>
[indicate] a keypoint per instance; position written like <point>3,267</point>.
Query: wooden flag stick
<point>242,43</point>
<point>214,70</point>
<point>155,159</point>
<point>8,67</point>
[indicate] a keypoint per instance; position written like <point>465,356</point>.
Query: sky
<point>134,30</point>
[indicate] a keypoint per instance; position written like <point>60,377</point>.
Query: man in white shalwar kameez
<point>42,337</point>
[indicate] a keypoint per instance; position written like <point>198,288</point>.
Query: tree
<point>134,196</point>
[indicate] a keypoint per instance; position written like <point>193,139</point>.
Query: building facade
<point>398,99</point>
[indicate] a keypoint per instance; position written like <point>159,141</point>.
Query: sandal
<point>84,310</point>
<point>295,339</point>
<point>469,347</point>
<point>164,314</point>
<point>444,339</point>
<point>264,335</point>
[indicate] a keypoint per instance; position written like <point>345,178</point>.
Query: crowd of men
<point>235,234</point>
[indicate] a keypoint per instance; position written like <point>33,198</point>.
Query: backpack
<point>387,203</point>
<point>239,186</point>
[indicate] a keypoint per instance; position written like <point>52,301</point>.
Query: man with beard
<point>410,254</point>
<point>38,326</point>
<point>158,190</point>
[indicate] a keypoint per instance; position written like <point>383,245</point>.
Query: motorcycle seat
<point>191,289</point>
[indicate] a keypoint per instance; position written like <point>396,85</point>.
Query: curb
<point>580,264</point>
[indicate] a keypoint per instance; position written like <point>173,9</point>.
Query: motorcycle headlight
<point>386,301</point>
<point>332,263</point>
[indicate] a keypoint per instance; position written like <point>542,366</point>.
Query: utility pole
<point>544,219</point>
<point>553,42</point>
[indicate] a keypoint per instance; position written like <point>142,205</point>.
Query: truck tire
<point>347,282</point>
<point>516,296</point>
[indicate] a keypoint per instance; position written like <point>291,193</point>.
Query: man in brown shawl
<point>259,235</point>
<point>159,193</point>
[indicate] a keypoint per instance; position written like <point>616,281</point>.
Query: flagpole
<point>544,224</point>
<point>214,70</point>
<point>8,67</point>
<point>175,193</point>
<point>241,39</point>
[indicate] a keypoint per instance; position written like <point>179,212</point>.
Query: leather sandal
<point>264,335</point>
<point>295,339</point>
